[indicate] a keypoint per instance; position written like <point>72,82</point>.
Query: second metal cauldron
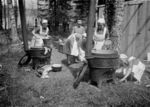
<point>102,65</point>
<point>103,59</point>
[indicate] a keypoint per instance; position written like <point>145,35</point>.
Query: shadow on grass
<point>75,69</point>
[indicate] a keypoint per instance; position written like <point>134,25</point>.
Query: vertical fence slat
<point>128,29</point>
<point>134,29</point>
<point>141,31</point>
<point>139,40</point>
<point>147,36</point>
<point>131,30</point>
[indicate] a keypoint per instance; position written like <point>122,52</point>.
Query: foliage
<point>82,8</point>
<point>114,11</point>
<point>58,11</point>
<point>4,38</point>
<point>16,11</point>
<point>43,9</point>
<point>110,9</point>
<point>13,34</point>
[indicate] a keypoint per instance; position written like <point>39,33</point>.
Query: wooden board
<point>141,31</point>
<point>147,32</point>
<point>136,30</point>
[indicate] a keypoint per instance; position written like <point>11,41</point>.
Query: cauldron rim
<point>38,52</point>
<point>113,54</point>
<point>102,56</point>
<point>36,48</point>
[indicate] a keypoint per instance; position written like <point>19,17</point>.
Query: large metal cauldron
<point>102,65</point>
<point>38,57</point>
<point>103,59</point>
<point>38,52</point>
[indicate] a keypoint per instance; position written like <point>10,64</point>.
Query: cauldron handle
<point>80,76</point>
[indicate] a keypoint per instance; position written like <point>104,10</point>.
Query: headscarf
<point>44,21</point>
<point>101,20</point>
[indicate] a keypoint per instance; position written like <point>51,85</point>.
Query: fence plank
<point>147,32</point>
<point>132,30</point>
<point>128,28</point>
<point>141,31</point>
<point>136,33</point>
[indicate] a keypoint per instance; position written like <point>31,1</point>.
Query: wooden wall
<point>135,40</point>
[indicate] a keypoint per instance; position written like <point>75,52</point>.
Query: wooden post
<point>23,24</point>
<point>1,15</point>
<point>90,27</point>
<point>5,14</point>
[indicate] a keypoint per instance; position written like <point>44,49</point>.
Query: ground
<point>25,89</point>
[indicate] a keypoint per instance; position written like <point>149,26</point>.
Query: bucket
<point>56,67</point>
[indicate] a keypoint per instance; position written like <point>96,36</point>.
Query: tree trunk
<point>16,12</point>
<point>116,30</point>
<point>55,8</point>
<point>5,14</point>
<point>114,11</point>
<point>23,24</point>
<point>119,21</point>
<point>90,27</point>
<point>1,16</point>
<point>13,34</point>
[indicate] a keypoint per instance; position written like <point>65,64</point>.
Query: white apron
<point>74,49</point>
<point>99,40</point>
<point>43,33</point>
<point>37,40</point>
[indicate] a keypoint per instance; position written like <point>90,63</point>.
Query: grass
<point>25,89</point>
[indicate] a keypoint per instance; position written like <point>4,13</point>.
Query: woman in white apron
<point>40,33</point>
<point>100,35</point>
<point>75,40</point>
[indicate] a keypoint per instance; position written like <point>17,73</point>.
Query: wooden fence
<point>135,40</point>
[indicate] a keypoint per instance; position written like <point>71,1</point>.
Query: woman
<point>40,33</point>
<point>100,35</point>
<point>74,42</point>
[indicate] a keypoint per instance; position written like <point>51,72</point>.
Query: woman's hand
<point>46,50</point>
<point>46,37</point>
<point>38,36</point>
